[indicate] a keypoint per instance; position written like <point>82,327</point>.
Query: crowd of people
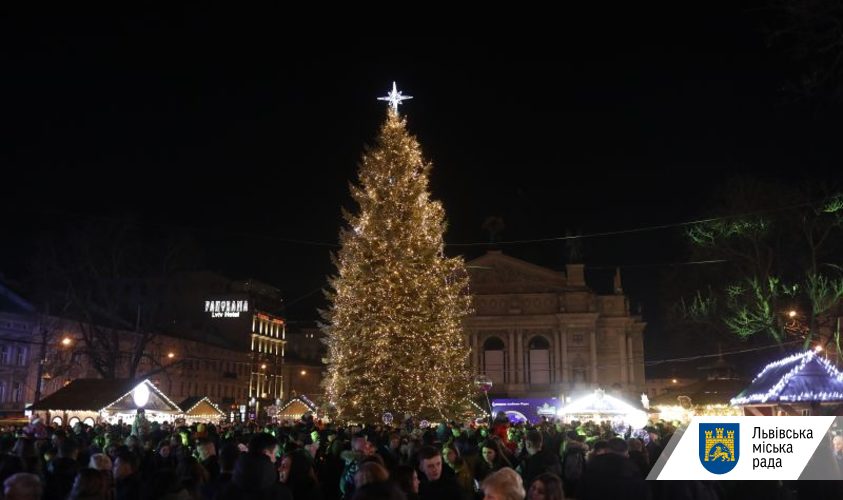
<point>312,460</point>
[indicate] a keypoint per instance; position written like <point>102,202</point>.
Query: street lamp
<point>171,355</point>
<point>66,341</point>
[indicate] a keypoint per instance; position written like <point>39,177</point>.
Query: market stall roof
<point>200,406</point>
<point>802,377</point>
<point>89,394</point>
<point>704,392</point>
<point>296,407</point>
<point>598,402</point>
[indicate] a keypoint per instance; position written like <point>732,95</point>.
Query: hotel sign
<point>226,308</point>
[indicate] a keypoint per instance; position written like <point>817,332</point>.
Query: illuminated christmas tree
<point>394,327</point>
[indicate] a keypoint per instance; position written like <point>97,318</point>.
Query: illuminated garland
<point>774,394</point>
<point>209,402</point>
<point>308,404</point>
<point>483,412</point>
<point>155,389</point>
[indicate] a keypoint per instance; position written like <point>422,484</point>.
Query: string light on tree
<point>397,303</point>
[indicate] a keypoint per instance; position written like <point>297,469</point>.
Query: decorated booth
<point>599,406</point>
<point>201,410</point>
<point>101,400</point>
<point>296,408</point>
<point>801,384</point>
<point>705,397</point>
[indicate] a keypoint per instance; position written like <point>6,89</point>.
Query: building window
<point>539,361</point>
<point>17,392</point>
<point>579,374</point>
<point>578,339</point>
<point>494,361</point>
<point>5,354</point>
<point>21,356</point>
<point>2,392</point>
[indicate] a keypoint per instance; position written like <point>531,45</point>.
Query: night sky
<point>246,138</point>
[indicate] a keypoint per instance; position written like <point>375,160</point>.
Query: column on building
<point>519,352</point>
<point>563,346</point>
<point>630,358</point>
<point>509,364</point>
<point>593,358</point>
<point>623,358</point>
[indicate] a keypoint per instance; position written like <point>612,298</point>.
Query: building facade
<point>18,326</point>
<point>220,339</point>
<point>537,332</point>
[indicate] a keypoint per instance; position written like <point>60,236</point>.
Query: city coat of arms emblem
<point>719,447</point>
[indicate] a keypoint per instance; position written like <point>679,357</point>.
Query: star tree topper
<point>394,97</point>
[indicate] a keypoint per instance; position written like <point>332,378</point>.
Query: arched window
<point>73,421</point>
<point>57,421</point>
<point>539,360</point>
<point>494,361</point>
<point>88,421</point>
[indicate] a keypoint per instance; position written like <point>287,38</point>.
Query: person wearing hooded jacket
<point>254,474</point>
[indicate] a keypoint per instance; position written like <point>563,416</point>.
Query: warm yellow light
<point>66,341</point>
<point>263,367</point>
<point>171,355</point>
<point>303,372</point>
<point>675,381</point>
<point>819,348</point>
<point>791,314</point>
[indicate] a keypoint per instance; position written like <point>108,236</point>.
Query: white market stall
<point>599,406</point>
<point>102,400</point>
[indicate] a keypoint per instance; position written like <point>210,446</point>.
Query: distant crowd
<point>308,459</point>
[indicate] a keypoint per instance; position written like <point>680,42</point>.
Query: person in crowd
<point>254,473</point>
<point>435,485</point>
<point>296,471</point>
<point>407,480</point>
<point>229,453</point>
<point>573,463</point>
<point>22,486</point>
<point>537,461</point>
<point>207,452</point>
<point>613,476</point>
<point>503,484</point>
<point>90,484</point>
<point>193,476</point>
<point>546,486</point>
<point>127,482</point>
<point>638,455</point>
<point>370,472</point>
<point>360,449</point>
<point>494,459</point>
<point>61,470</point>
